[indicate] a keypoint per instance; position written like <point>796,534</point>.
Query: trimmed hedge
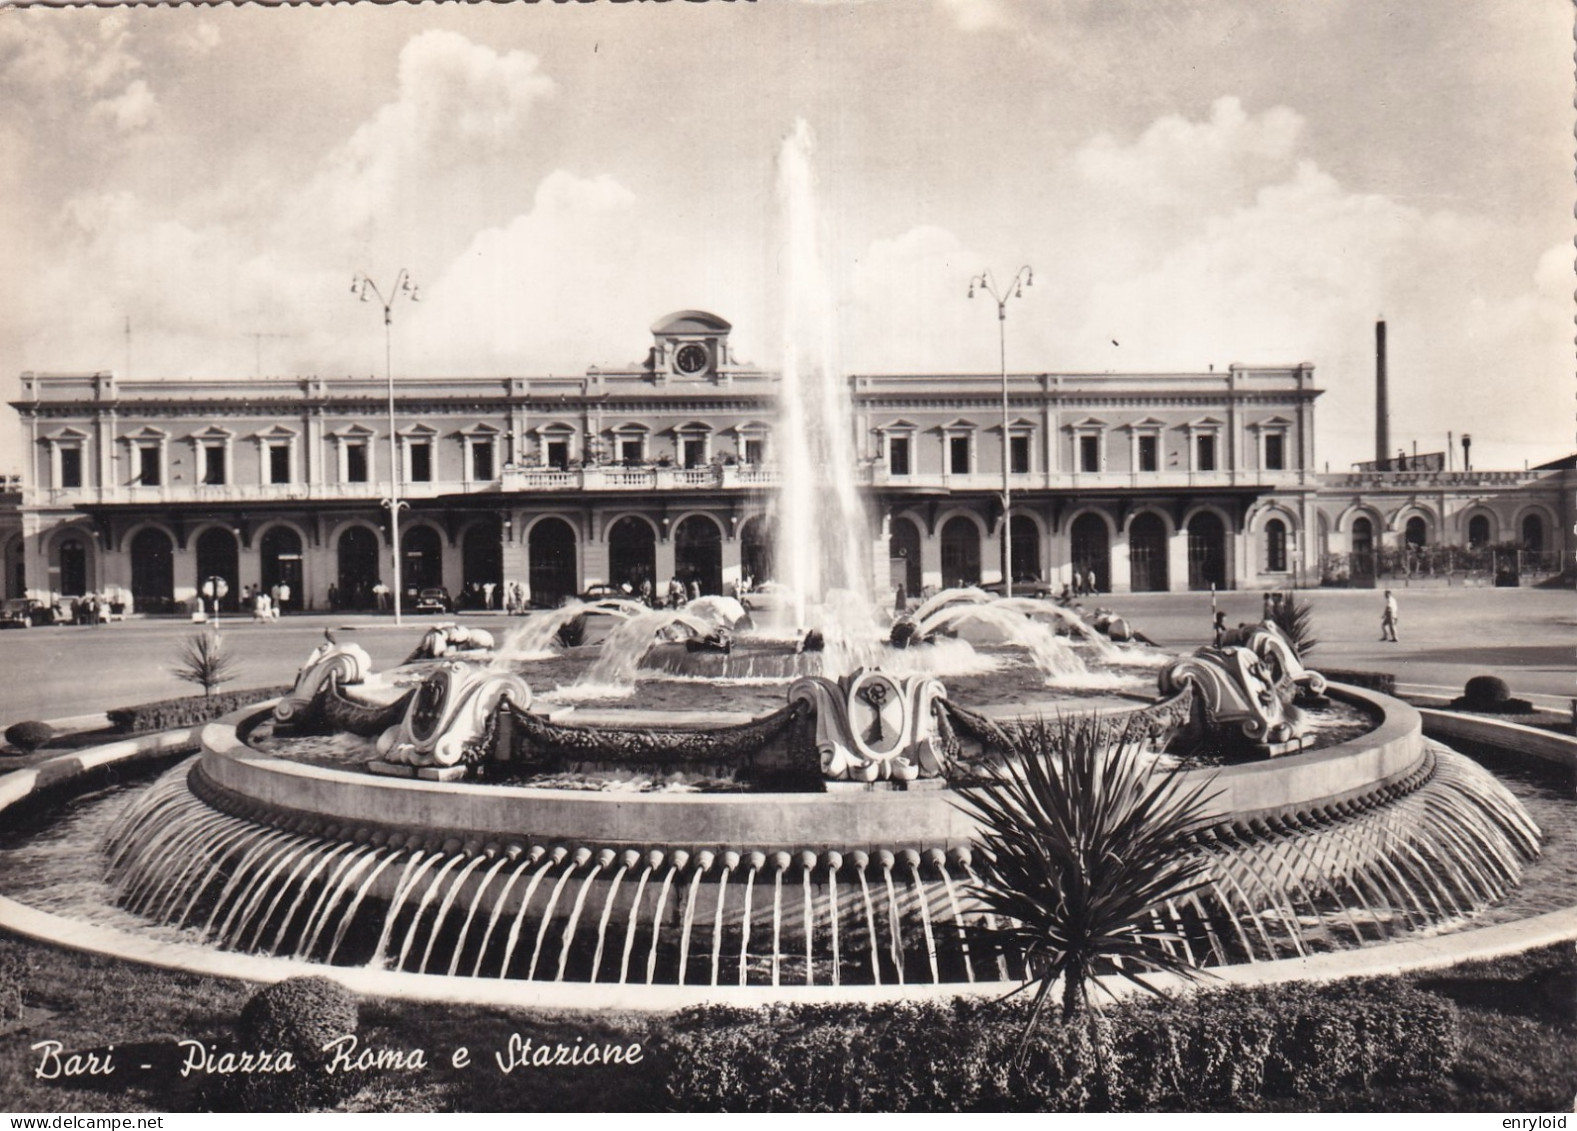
<point>1383,682</point>
<point>168,714</point>
<point>1208,1051</point>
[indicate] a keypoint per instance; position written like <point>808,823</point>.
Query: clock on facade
<point>691,359</point>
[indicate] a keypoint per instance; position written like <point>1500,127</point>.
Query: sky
<point>1193,184</point>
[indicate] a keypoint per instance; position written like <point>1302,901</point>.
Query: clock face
<point>691,358</point>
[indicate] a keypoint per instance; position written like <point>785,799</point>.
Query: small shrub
<point>205,662</point>
<point>1492,695</point>
<point>298,1015</point>
<point>1486,691</point>
<point>29,736</point>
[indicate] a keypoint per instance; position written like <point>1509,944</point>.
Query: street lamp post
<point>360,286</point>
<point>986,282</point>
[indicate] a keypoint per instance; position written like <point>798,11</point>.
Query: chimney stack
<point>1382,408</point>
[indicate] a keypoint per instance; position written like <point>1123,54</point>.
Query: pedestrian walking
<point>1388,618</point>
<point>1219,628</point>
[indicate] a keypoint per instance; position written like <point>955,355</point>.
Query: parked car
<point>433,601</point>
<point>602,593</point>
<point>23,612</point>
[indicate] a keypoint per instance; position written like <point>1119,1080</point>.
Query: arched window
<point>1533,533</point>
<point>1207,551</point>
<point>1024,548</point>
<point>1275,546</point>
<point>1417,532</point>
<point>1478,531</point>
<point>73,568</point>
<point>152,570</point>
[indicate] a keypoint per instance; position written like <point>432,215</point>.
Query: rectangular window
<point>482,459</point>
<point>1275,452</point>
<point>694,453</point>
<point>71,467</point>
<point>356,463</point>
<point>755,451</point>
<point>1207,454</point>
<point>421,463</point>
<point>1089,453</point>
<point>1149,453</point>
<point>632,452</point>
<point>279,463</point>
<point>150,472</point>
<point>1018,455</point>
<point>898,455</point>
<point>558,454</point>
<point>213,464</point>
<point>958,455</point>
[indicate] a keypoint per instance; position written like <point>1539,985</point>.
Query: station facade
<point>667,468</point>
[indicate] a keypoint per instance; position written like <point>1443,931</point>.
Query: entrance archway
<point>280,552</point>
<point>73,567</point>
<point>1361,572</point>
<point>422,566</point>
<point>358,568</point>
<point>152,571</point>
<point>15,582</point>
<point>217,556</point>
<point>632,553</point>
<point>482,559</point>
<point>960,552</point>
<point>1147,553</point>
<point>1091,546</point>
<point>1024,549</point>
<point>903,556</point>
<point>757,540</point>
<point>550,554</point>
<point>698,553</point>
<point>1207,551</point>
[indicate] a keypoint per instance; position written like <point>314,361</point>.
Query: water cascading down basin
<point>821,844</point>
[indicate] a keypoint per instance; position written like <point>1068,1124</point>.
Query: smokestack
<point>1382,408</point>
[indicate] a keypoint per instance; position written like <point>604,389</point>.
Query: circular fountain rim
<point>1389,958</point>
<point>846,817</point>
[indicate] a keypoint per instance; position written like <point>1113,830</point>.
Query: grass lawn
<point>1518,1019</point>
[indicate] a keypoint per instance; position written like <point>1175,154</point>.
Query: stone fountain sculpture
<point>1244,696</point>
<point>871,726</point>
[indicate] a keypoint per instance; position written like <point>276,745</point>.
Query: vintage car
<point>433,601</point>
<point>24,612</point>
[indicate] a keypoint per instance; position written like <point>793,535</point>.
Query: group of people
<point>266,604</point>
<point>678,593</point>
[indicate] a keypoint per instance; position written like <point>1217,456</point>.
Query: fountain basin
<point>846,818</point>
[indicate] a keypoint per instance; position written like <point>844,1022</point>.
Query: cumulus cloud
<point>976,15</point>
<point>132,109</point>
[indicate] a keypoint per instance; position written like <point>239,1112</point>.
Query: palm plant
<point>204,661</point>
<point>1082,838</point>
<point>1295,618</point>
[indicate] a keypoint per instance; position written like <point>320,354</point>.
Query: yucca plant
<point>1082,839</point>
<point>204,661</point>
<point>1295,618</point>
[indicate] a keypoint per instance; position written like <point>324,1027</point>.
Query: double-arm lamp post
<point>987,282</point>
<point>361,286</point>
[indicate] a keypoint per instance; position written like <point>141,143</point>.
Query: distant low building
<point>1153,481</point>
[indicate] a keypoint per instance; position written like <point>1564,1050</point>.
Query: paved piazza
<point>1447,636</point>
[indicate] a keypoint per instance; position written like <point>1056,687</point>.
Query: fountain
<point>457,818</point>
